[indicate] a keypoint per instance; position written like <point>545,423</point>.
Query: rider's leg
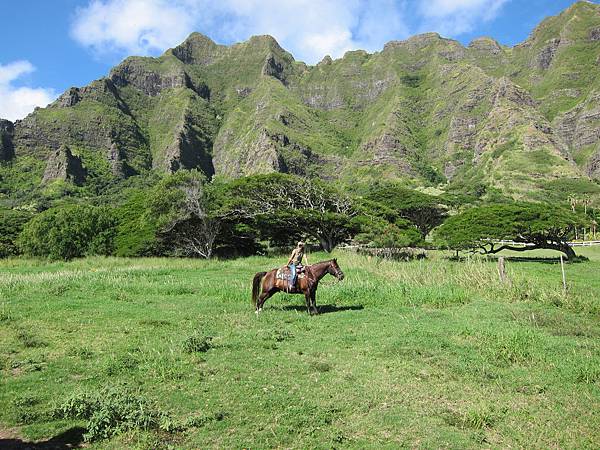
<point>292,275</point>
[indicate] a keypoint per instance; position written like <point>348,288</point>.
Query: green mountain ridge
<point>428,111</point>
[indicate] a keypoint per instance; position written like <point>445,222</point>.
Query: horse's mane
<point>322,263</point>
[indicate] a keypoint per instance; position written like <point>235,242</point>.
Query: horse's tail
<point>256,286</point>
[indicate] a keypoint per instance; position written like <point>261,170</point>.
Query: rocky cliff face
<point>427,110</point>
<point>63,165</point>
<point>7,130</point>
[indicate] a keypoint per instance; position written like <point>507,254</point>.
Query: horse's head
<point>335,270</point>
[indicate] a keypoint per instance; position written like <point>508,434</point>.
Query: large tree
<point>381,226</point>
<point>424,211</point>
<point>11,224</point>
<point>286,207</point>
<point>69,231</point>
<point>185,210</point>
<point>532,225</point>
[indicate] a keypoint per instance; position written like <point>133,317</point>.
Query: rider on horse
<point>295,263</point>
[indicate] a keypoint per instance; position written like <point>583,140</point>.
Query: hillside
<point>522,122</point>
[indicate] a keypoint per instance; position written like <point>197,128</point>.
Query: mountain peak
<point>264,41</point>
<point>426,109</point>
<point>420,41</point>
<point>200,40</point>
<point>582,5</point>
<point>197,49</point>
<point>485,44</point>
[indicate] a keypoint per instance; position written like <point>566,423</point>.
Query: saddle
<point>283,273</point>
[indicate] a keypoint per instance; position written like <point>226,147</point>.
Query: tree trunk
<point>568,250</point>
<point>326,244</point>
<point>561,247</point>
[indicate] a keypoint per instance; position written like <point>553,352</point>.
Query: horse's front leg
<point>308,301</point>
<point>313,302</point>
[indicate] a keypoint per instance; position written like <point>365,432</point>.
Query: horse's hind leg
<point>261,301</point>
<point>263,298</point>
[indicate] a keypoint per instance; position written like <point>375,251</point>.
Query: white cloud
<point>309,29</point>
<point>455,17</point>
<point>131,26</point>
<point>380,22</point>
<point>17,102</point>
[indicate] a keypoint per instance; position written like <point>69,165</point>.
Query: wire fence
<point>572,243</point>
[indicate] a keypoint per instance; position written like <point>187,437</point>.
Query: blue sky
<point>49,46</point>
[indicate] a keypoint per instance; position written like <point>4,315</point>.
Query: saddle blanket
<point>283,273</point>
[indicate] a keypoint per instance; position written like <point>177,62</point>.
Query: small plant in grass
<point>197,343</point>
<point>587,373</point>
<point>110,411</point>
<point>321,366</point>
<point>23,405</point>
<point>5,315</point>
<point>25,401</point>
<point>476,419</point>
<point>29,340</point>
<point>123,363</point>
<point>507,348</point>
<point>81,352</point>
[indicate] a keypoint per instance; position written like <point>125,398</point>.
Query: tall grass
<point>433,353</point>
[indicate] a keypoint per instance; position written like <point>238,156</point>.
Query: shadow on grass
<point>71,438</point>
<point>539,259</point>
<point>323,309</point>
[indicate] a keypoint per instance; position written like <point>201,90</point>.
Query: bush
<point>137,230</point>
<point>68,232</point>
<point>197,343</point>
<point>376,232</point>
<point>11,224</point>
<point>110,411</point>
<point>114,410</point>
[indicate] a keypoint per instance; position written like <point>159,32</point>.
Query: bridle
<point>337,272</point>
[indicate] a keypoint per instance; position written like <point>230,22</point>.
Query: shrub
<point>137,229</point>
<point>11,224</point>
<point>114,410</point>
<point>197,343</point>
<point>376,232</point>
<point>110,411</point>
<point>68,232</point>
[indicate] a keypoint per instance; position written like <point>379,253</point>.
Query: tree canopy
<point>537,226</point>
<point>70,231</point>
<point>286,208</point>
<point>423,210</point>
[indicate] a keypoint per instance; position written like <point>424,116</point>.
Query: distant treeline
<point>185,215</point>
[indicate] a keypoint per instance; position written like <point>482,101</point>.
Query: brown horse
<point>308,285</point>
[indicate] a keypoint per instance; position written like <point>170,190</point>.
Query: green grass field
<point>168,353</point>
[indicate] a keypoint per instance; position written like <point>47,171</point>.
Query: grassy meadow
<point>168,353</point>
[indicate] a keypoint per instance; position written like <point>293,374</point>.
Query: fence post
<point>564,280</point>
<point>501,269</point>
